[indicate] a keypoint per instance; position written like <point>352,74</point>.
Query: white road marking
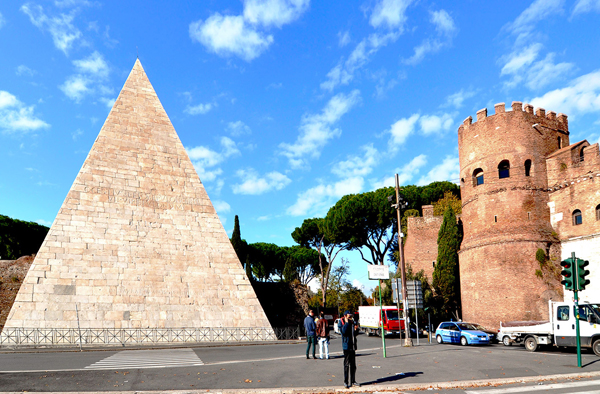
<point>541,387</point>
<point>141,359</point>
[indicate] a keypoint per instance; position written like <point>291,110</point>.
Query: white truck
<point>370,320</point>
<point>559,330</point>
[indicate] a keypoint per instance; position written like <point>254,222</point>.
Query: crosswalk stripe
<point>140,359</point>
<point>554,386</point>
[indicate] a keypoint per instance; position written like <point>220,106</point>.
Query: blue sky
<point>284,106</point>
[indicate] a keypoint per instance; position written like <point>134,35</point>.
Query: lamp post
<point>400,203</point>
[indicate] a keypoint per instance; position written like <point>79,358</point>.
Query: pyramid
<point>137,252</point>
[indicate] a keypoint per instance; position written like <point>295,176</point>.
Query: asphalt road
<point>277,366</point>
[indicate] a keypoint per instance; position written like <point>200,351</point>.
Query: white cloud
<point>230,35</point>
<point>580,96</point>
<point>221,206</point>
<point>434,124</point>
<point>457,99</point>
<point>72,3</point>
<point>316,131</point>
<point>254,184</point>
<point>536,12</point>
<point>238,128</point>
<point>405,173</point>
<point>344,71</point>
<point>343,38</point>
<point>521,58</point>
<point>317,200</point>
<point>16,116</point>
<point>94,65</point>
<point>274,12</point>
<point>523,67</point>
<point>23,70</point>
<point>199,109</point>
<point>390,14</point>
<point>356,166</point>
<point>2,21</point>
<point>448,170</point>
<point>445,28</point>
<point>76,134</point>
<point>92,72</point>
<point>108,102</point>
<point>76,87</point>
<point>583,6</point>
<point>61,28</point>
<point>401,130</point>
<point>44,222</point>
<point>358,284</point>
<point>204,158</point>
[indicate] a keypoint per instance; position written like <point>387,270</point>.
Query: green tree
<point>301,264</point>
<point>449,199</point>
<point>364,222</point>
<point>446,281</point>
<point>240,246</point>
<point>314,234</point>
<point>270,262</point>
<point>19,238</point>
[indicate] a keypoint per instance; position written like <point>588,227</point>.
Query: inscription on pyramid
<point>137,252</point>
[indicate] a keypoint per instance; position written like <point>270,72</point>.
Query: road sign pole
<point>407,341</point>
<point>576,299</point>
<point>398,305</point>
<point>381,318</point>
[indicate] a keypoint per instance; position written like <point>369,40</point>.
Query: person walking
<point>348,339</point>
<point>311,335</point>
<point>323,335</point>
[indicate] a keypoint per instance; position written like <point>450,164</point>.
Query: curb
<point>397,388</point>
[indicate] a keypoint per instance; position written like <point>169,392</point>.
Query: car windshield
<point>466,326</point>
<point>391,314</point>
<point>478,327</point>
<point>595,307</point>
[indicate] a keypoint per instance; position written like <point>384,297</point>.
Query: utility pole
<point>407,339</point>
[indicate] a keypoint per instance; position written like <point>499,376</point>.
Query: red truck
<point>370,320</point>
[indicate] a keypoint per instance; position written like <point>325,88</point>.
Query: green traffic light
<point>582,273</point>
<point>568,274</point>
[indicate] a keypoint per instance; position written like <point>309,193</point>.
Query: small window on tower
<point>581,154</point>
<point>597,212</point>
<point>527,167</point>
<point>504,169</point>
<point>478,177</point>
<point>559,143</point>
<point>577,219</point>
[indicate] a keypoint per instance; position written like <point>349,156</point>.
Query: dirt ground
<point>12,273</point>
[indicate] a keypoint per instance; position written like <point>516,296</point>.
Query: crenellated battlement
<point>547,119</point>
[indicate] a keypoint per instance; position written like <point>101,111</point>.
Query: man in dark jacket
<point>348,338</point>
<point>311,334</point>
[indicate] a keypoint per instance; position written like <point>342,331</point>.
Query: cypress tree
<point>446,281</point>
<point>239,245</point>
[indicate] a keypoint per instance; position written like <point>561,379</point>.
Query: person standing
<point>323,335</point>
<point>311,335</point>
<point>348,339</point>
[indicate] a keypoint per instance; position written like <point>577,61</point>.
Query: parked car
<point>460,332</point>
<point>493,334</point>
<point>336,326</point>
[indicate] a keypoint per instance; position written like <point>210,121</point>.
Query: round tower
<point>506,219</point>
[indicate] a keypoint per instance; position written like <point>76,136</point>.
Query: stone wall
<point>420,249</point>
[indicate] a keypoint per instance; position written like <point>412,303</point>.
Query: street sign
<point>396,290</point>
<point>414,294</point>
<point>379,271</point>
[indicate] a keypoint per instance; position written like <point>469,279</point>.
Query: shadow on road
<point>394,378</point>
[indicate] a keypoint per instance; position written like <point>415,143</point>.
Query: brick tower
<point>504,189</point>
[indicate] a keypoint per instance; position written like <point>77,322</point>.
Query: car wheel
<point>531,344</point>
<point>506,341</point>
<point>439,339</point>
<point>463,341</point>
<point>596,347</point>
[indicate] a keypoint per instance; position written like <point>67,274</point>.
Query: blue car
<point>459,332</point>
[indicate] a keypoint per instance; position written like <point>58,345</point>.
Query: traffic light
<point>582,273</point>
<point>568,274</point>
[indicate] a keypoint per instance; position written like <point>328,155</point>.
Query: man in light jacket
<point>323,335</point>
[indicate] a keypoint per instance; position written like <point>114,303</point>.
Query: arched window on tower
<point>577,219</point>
<point>598,212</point>
<point>559,143</point>
<point>504,169</point>
<point>581,154</point>
<point>478,177</point>
<point>527,167</point>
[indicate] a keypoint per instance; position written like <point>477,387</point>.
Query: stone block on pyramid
<point>137,253</point>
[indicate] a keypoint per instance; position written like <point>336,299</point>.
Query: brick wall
<point>420,249</point>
